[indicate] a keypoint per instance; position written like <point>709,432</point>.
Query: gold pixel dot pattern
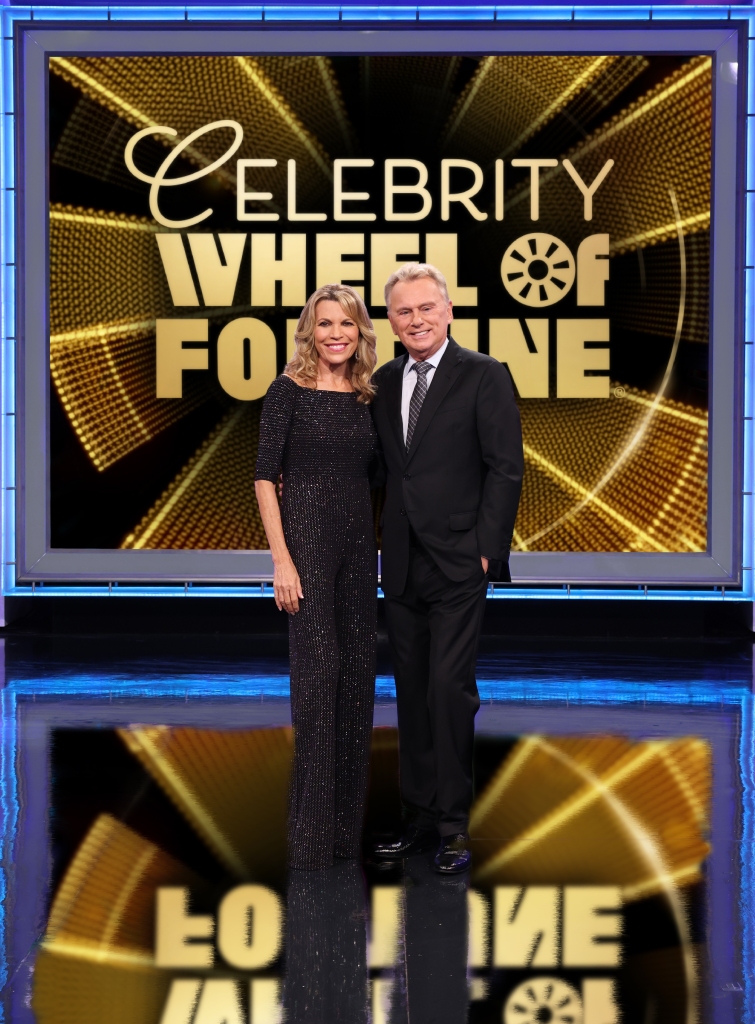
<point>211,503</point>
<point>102,353</point>
<point>661,141</point>
<point>313,93</point>
<point>546,817</point>
<point>102,343</point>
<point>105,271</point>
<point>537,89</point>
<point>93,142</point>
<point>657,313</point>
<point>183,93</point>
<point>655,501</point>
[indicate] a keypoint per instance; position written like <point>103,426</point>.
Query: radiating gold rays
<point>657,501</point>
<point>231,787</point>
<point>96,961</point>
<point>93,141</point>
<point>571,811</point>
<point>102,342</point>
<point>211,503</point>
<point>311,88</point>
<point>102,324</point>
<point>103,899</point>
<point>105,270</point>
<point>183,93</point>
<point>558,811</point>
<point>661,141</point>
<point>653,273</point>
<point>536,89</point>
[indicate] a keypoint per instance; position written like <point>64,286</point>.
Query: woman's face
<point>336,334</point>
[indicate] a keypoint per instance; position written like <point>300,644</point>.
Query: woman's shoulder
<point>285,382</point>
<point>284,388</point>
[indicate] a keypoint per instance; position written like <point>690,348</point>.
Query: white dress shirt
<point>410,381</point>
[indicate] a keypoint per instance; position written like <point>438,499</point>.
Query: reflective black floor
<point>143,794</point>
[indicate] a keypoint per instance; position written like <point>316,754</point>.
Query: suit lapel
<point>447,372</point>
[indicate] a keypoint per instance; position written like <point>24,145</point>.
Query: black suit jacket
<point>459,485</point>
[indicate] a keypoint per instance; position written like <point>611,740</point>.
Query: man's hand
<point>485,563</point>
<point>287,587</point>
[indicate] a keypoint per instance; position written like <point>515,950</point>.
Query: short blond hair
<point>415,272</point>
<point>303,365</point>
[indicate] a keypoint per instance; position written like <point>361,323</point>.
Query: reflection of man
<point>452,448</point>
<point>432,952</point>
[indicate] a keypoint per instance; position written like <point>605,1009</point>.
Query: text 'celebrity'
<point>460,183</point>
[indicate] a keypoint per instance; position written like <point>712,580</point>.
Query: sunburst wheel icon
<point>537,269</point>
<point>543,1001</point>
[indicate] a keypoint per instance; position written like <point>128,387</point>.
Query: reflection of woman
<point>316,427</point>
<point>326,947</point>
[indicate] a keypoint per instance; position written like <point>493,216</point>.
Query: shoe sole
<point>452,871</point>
<point>431,844</point>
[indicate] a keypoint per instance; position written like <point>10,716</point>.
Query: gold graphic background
<point>599,810</point>
<point>624,474</point>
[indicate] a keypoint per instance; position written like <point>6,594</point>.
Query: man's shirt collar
<point>433,360</point>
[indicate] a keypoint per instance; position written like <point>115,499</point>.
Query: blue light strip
<point>264,589</point>
<point>588,692</point>
<point>8,822</point>
<point>327,13</point>
<point>7,303</point>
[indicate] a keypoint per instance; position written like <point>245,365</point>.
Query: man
<point>452,449</point>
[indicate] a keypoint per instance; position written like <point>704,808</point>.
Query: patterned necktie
<point>418,397</point>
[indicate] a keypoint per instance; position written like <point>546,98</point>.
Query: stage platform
<point>612,834</point>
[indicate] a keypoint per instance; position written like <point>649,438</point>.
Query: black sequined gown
<point>323,442</point>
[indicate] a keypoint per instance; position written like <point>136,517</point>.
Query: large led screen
<point>195,200</point>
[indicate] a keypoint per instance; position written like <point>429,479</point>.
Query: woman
<point>316,427</point>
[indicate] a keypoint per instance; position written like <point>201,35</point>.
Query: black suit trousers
<point>434,630</point>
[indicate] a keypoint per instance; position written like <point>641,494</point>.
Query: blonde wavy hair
<point>303,365</point>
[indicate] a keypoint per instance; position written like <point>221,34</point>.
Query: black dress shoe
<point>414,840</point>
<point>453,854</point>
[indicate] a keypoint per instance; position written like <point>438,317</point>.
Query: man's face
<point>419,316</point>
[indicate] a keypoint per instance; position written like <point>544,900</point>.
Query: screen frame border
<point>725,41</point>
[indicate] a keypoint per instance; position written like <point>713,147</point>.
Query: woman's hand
<point>287,586</point>
<point>286,582</point>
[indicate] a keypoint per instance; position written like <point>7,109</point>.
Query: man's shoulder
<point>388,368</point>
<point>478,360</point>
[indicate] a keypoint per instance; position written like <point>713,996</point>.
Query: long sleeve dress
<point>323,442</point>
